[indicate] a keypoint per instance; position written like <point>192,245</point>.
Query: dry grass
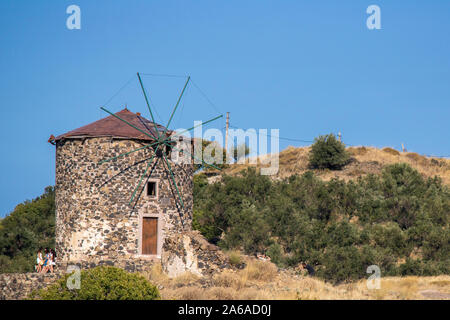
<point>186,293</point>
<point>234,256</point>
<point>260,270</point>
<point>186,278</point>
<point>229,279</point>
<point>261,280</point>
<point>255,272</point>
<point>156,275</point>
<point>391,151</point>
<point>411,288</point>
<point>366,160</point>
<point>357,151</point>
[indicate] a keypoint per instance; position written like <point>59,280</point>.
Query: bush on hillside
<point>338,227</point>
<point>328,153</point>
<point>240,151</point>
<point>208,149</point>
<point>101,283</point>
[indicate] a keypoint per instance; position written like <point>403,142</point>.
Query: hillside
<point>365,160</point>
<point>385,208</point>
<point>261,280</point>
<point>396,219</point>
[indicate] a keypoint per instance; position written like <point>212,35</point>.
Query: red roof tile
<point>113,127</point>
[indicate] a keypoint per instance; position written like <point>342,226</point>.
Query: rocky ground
<point>262,280</point>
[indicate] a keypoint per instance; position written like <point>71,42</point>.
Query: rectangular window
<point>168,151</point>
<point>152,189</point>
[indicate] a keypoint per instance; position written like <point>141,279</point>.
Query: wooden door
<point>149,235</point>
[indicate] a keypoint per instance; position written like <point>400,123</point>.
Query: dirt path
<point>434,294</point>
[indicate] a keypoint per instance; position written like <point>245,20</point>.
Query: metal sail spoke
<point>162,139</point>
<point>192,128</point>
<point>176,105</point>
<point>173,179</point>
<point>140,180</point>
<point>165,141</point>
<point>148,105</point>
<point>192,156</point>
<point>151,136</point>
<point>145,125</point>
<point>127,153</point>
<point>114,115</point>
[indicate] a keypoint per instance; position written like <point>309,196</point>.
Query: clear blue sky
<point>305,67</point>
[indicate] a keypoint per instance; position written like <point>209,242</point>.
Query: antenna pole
<point>226,132</point>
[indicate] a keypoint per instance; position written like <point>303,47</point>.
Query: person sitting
<point>310,269</point>
<point>45,266</point>
<point>51,260</point>
<point>261,256</point>
<point>52,255</point>
<point>39,261</point>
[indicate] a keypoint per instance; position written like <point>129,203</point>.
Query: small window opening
<point>168,151</point>
<point>151,189</point>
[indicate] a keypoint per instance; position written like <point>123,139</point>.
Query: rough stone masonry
<point>95,223</point>
<point>94,219</point>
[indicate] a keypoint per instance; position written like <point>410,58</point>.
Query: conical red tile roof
<point>113,127</point>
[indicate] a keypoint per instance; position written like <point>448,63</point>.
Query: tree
<point>219,164</point>
<point>240,151</point>
<point>328,153</point>
<point>31,225</point>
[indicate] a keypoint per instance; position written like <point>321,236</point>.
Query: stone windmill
<point>119,192</point>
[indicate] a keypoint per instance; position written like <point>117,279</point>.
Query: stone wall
<point>16,286</point>
<point>183,252</point>
<point>94,220</point>
<point>129,265</point>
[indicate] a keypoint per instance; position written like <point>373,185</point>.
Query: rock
<point>191,252</point>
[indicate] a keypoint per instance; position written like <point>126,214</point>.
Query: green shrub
<point>276,254</point>
<point>240,151</point>
<point>102,283</point>
<point>234,257</point>
<point>411,267</point>
<point>342,264</point>
<point>328,153</point>
<point>338,227</point>
<point>390,236</point>
<point>222,156</point>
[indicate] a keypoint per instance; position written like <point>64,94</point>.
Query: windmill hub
<point>159,152</point>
